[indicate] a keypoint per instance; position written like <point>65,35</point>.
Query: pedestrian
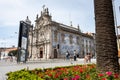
<point>89,57</point>
<point>67,55</point>
<point>75,55</point>
<point>11,57</point>
<point>86,58</point>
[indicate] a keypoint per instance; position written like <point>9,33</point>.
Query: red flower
<point>88,76</point>
<point>56,76</point>
<point>109,73</point>
<point>74,79</point>
<point>81,71</point>
<point>103,79</point>
<point>116,76</point>
<point>100,75</point>
<point>92,66</point>
<point>65,79</point>
<point>77,77</point>
<point>50,75</point>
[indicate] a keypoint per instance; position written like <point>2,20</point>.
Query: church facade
<point>50,39</point>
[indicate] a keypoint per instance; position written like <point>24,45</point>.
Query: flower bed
<point>76,72</point>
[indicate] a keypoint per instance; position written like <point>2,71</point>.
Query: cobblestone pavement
<point>7,66</point>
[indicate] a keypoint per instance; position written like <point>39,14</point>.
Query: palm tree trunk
<point>106,45</point>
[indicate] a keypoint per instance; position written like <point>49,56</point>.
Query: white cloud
<point>16,10</point>
<point>63,11</point>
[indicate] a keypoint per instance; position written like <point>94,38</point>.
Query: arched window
<point>71,39</point>
<point>86,46</point>
<point>55,36</point>
<point>63,37</point>
<point>90,48</point>
<point>77,40</point>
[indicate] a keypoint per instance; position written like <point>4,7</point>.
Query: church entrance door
<point>55,53</point>
<point>41,52</point>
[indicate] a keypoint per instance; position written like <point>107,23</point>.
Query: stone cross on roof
<point>43,7</point>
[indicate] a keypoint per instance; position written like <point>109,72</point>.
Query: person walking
<point>11,57</point>
<point>86,58</point>
<point>89,57</point>
<point>74,55</point>
<point>67,55</point>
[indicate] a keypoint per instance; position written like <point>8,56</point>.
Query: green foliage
<point>74,72</point>
<point>14,52</point>
<point>22,75</point>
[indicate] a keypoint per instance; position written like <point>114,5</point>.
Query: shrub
<point>76,72</point>
<point>22,75</point>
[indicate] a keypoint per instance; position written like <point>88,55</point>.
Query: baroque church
<point>49,39</point>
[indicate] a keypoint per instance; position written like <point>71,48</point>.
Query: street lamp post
<point>118,27</point>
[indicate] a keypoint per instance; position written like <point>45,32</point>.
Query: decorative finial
<point>43,7</point>
<point>41,13</point>
<point>70,23</point>
<point>27,17</point>
<point>27,20</point>
<point>47,11</point>
<point>78,26</point>
<point>37,16</point>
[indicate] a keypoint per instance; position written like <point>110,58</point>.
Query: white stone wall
<point>88,49</point>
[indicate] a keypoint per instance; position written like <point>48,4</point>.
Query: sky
<point>80,12</point>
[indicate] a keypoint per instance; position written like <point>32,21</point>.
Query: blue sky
<point>78,11</point>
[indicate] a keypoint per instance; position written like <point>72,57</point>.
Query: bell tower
<point>44,15</point>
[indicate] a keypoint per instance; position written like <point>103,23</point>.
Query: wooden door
<point>55,53</point>
<point>41,52</point>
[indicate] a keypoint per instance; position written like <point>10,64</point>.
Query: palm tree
<point>106,45</point>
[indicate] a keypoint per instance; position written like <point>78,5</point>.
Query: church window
<point>86,46</point>
<point>90,45</point>
<point>55,36</point>
<point>77,40</point>
<point>63,37</point>
<point>71,39</point>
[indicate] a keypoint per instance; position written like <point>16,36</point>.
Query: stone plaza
<point>7,66</point>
